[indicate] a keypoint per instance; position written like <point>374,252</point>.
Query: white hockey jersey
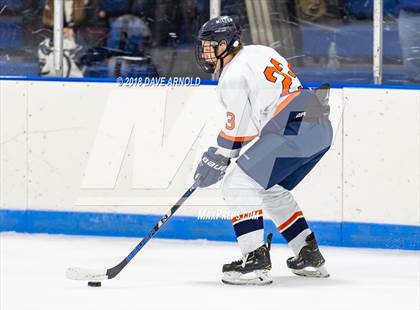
<point>255,86</point>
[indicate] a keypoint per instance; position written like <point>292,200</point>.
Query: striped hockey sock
<point>295,229</point>
<point>249,230</point>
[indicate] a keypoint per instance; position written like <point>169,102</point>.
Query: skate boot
<point>309,262</point>
<point>253,269</point>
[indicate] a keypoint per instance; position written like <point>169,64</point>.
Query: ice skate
<point>309,262</point>
<point>254,269</point>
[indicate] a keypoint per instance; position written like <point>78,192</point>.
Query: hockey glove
<point>211,168</point>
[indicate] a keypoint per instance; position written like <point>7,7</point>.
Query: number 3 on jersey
<point>230,123</point>
<point>278,68</point>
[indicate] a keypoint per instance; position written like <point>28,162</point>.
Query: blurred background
<point>322,39</point>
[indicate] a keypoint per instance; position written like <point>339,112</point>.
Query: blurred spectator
<point>94,29</point>
<point>129,35</point>
<point>165,21</point>
<point>74,16</point>
<point>144,9</point>
<point>181,17</point>
<point>129,40</point>
<point>115,8</point>
<point>188,25</point>
<point>409,32</point>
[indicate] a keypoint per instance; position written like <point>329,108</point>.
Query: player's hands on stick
<point>211,168</point>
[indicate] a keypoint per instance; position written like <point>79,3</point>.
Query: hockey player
<point>265,102</point>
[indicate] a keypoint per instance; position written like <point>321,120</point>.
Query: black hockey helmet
<point>216,30</point>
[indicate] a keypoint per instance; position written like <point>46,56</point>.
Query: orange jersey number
<point>230,124</point>
<point>278,68</point>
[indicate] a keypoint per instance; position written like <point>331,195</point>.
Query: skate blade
<point>257,277</point>
<point>312,272</point>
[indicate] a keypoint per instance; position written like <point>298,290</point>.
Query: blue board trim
<point>203,82</point>
<point>347,234</point>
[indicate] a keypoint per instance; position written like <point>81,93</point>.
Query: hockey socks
<point>295,229</point>
<point>249,230</point>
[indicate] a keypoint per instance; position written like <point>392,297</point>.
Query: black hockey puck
<point>94,284</point>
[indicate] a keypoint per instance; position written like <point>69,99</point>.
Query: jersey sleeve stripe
<point>237,139</point>
<point>285,102</point>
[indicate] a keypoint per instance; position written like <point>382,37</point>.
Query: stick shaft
<point>112,272</point>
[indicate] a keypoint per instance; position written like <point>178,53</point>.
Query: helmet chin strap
<point>221,64</point>
<point>222,56</point>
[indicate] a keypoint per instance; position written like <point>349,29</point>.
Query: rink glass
<point>320,38</point>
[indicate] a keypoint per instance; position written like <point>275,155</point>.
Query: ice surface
<point>175,274</point>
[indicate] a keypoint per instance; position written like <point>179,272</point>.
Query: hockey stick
<point>76,273</point>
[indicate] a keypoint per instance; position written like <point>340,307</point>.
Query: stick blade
<point>84,274</point>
